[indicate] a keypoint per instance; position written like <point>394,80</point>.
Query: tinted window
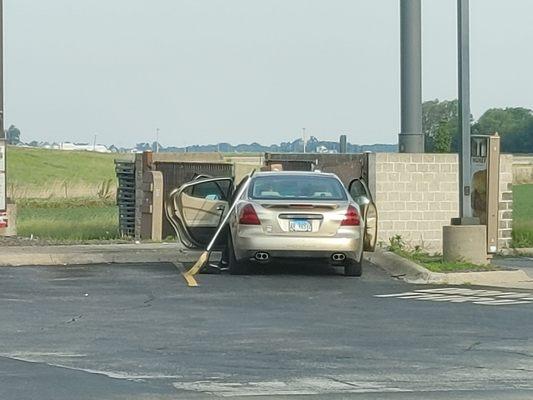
<point>296,187</point>
<point>218,190</point>
<point>357,189</point>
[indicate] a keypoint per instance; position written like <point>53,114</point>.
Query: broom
<point>204,257</point>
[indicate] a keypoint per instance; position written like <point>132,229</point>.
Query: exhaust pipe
<point>338,257</point>
<point>261,256</point>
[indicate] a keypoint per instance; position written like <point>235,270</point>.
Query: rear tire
<point>353,268</point>
<point>235,267</point>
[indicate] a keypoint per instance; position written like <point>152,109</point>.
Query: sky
<point>241,71</point>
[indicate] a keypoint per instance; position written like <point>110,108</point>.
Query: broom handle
<point>226,218</point>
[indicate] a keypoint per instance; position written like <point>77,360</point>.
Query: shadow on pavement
<point>292,267</point>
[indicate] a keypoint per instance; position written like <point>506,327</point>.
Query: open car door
<point>359,191</point>
<point>196,209</point>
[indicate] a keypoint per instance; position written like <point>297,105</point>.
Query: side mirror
<point>362,200</point>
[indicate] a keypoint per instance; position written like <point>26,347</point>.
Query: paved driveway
<point>137,332</point>
<point>524,263</point>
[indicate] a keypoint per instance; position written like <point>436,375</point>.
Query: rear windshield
<point>296,187</point>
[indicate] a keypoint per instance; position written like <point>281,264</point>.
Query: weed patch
<point>433,262</point>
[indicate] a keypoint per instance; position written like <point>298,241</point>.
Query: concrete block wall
<point>522,169</point>
<point>240,170</point>
<point>505,209</point>
<point>416,195</point>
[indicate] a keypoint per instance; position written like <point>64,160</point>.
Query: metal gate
<point>346,166</point>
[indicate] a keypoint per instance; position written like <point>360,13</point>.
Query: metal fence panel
<point>125,171</point>
<point>346,166</point>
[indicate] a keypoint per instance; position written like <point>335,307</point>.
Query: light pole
<point>411,138</point>
<point>94,142</point>
<point>465,239</point>
<point>157,140</point>
<point>463,58</point>
<point>304,138</point>
<point>3,147</point>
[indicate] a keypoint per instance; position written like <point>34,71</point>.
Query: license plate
<point>300,225</point>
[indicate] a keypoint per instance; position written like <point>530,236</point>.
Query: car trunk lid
<point>301,218</point>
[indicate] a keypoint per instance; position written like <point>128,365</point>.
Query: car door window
<point>212,190</point>
<point>358,189</point>
<point>197,208</point>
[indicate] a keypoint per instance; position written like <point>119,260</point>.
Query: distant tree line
<point>312,145</point>
<point>439,123</point>
<point>441,127</point>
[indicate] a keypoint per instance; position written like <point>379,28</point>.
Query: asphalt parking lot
<point>299,331</point>
<point>524,263</point>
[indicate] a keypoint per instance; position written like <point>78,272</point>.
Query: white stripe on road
<point>462,295</point>
<point>392,382</point>
<point>46,359</point>
<point>293,387</point>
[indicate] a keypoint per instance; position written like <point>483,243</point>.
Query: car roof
<point>308,173</point>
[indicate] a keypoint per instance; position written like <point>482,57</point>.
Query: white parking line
<point>396,295</point>
<point>512,296</point>
<point>324,387</point>
<point>461,295</point>
<point>300,386</point>
<point>501,302</point>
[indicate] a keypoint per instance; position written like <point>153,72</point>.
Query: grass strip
<point>522,216</point>
<point>75,220</point>
<point>435,262</point>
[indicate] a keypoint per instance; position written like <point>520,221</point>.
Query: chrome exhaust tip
<point>338,257</point>
<point>261,256</point>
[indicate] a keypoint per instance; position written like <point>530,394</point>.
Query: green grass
<point>435,263</point>
<point>44,173</point>
<point>38,166</point>
<point>73,220</point>
<point>63,195</point>
<point>523,215</point>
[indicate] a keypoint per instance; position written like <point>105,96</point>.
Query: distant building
<point>324,149</point>
<point>99,148</point>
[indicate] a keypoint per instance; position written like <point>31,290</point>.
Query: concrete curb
<point>14,256</point>
<point>411,272</point>
<point>398,267</point>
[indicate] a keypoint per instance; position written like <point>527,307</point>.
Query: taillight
<point>249,216</point>
<point>351,218</point>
